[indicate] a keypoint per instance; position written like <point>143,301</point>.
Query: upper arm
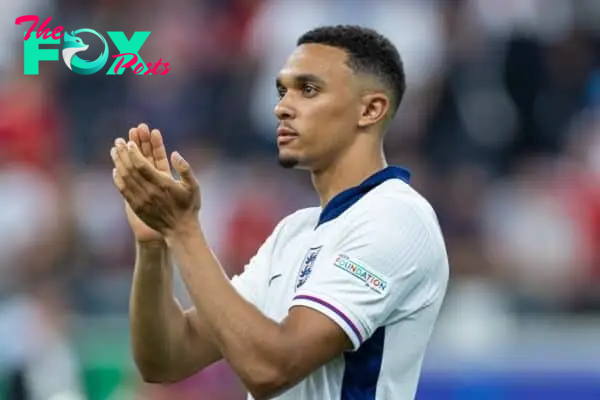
<point>191,350</point>
<point>314,339</point>
<point>250,284</point>
<point>379,269</point>
<point>200,349</point>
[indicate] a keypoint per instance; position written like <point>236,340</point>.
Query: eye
<point>280,92</point>
<point>309,90</point>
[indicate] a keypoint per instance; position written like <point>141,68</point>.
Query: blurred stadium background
<point>500,126</point>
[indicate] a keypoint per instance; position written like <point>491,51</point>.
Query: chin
<point>288,162</point>
<point>290,159</point>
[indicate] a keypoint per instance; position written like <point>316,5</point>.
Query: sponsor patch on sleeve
<point>360,272</point>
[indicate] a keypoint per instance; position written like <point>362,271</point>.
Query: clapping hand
<point>142,175</point>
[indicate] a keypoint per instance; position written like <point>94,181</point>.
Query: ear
<point>374,109</point>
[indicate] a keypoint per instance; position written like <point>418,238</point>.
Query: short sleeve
<point>379,267</point>
<point>253,282</point>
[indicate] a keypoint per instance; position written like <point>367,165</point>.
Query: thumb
<point>183,169</point>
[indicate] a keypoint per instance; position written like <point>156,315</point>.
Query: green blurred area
<point>106,363</point>
<point>103,352</point>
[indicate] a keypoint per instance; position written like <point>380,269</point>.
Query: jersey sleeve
<point>252,283</point>
<point>379,267</point>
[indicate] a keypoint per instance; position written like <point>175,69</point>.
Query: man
<point>341,299</point>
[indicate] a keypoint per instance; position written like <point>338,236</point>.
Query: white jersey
<point>374,261</point>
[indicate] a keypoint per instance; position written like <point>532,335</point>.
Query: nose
<point>283,110</point>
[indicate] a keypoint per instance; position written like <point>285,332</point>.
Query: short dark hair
<point>368,52</point>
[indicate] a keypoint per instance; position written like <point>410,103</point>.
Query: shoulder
<point>394,225</point>
<point>394,206</point>
<point>396,230</point>
<point>299,220</point>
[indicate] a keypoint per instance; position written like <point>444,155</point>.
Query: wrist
<point>150,253</point>
<point>151,243</point>
<point>185,228</point>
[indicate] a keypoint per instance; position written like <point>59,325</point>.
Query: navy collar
<point>344,200</point>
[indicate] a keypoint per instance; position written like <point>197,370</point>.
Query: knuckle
<point>129,198</point>
<point>126,177</point>
<point>144,170</point>
<point>155,195</point>
<point>164,185</point>
<point>133,172</point>
<point>151,193</point>
<point>135,161</point>
<point>137,206</point>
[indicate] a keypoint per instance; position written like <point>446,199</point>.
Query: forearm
<point>157,322</point>
<point>253,344</point>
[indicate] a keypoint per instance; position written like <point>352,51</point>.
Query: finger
<point>118,172</point>
<point>184,169</point>
<point>120,166</point>
<point>123,156</point>
<point>120,184</point>
<point>144,143</point>
<point>143,166</point>
<point>125,168</point>
<point>159,152</point>
<point>133,135</point>
<point>118,181</point>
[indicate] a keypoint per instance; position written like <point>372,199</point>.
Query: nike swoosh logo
<point>273,278</point>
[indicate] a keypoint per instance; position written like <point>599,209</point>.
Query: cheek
<point>329,115</point>
<point>339,121</point>
<point>325,123</point>
<point>334,134</point>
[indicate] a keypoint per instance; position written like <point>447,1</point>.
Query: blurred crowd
<point>500,127</point>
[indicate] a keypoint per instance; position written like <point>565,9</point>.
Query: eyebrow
<point>302,78</point>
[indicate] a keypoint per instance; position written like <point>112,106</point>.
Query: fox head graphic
<point>72,45</point>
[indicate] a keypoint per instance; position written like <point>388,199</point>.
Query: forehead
<point>325,62</point>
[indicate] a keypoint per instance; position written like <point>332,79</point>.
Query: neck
<point>349,170</point>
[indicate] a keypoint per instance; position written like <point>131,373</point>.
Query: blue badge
<point>307,265</point>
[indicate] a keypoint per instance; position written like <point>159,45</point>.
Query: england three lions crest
<point>307,265</point>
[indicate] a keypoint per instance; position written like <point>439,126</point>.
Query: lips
<point>285,135</point>
<point>285,131</point>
